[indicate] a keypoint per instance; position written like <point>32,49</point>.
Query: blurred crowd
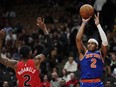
<point>61,68</point>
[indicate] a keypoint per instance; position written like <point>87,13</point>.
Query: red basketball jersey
<point>27,75</point>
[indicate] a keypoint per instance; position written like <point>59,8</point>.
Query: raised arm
<point>40,57</point>
<point>81,48</point>
<point>102,36</point>
<point>6,61</point>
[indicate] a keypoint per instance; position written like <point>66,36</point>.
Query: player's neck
<point>25,59</point>
<point>92,50</point>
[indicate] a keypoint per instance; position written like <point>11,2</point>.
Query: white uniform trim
<point>93,40</point>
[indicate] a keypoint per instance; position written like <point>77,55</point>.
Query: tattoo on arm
<point>8,62</point>
<point>39,58</point>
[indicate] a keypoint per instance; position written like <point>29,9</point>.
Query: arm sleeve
<point>50,46</point>
<point>102,35</point>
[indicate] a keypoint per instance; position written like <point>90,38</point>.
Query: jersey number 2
<point>26,81</point>
<point>93,64</point>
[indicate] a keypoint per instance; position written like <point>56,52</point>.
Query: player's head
<point>25,51</point>
<point>92,44</point>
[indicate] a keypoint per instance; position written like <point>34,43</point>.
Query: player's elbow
<point>78,39</point>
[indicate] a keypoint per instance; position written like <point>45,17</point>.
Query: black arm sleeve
<point>50,46</point>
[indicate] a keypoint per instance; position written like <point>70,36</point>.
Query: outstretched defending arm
<point>40,57</point>
<point>6,61</point>
<point>102,36</point>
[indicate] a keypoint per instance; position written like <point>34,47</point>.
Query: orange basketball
<point>86,11</point>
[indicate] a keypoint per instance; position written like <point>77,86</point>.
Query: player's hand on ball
<point>96,19</point>
<point>2,34</point>
<point>86,20</point>
<point>40,23</point>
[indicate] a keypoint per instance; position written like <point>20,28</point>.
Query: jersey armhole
<point>84,55</point>
<point>101,57</point>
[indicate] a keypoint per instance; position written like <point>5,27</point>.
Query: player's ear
<point>96,46</point>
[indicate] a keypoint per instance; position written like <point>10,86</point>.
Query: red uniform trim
<point>90,80</point>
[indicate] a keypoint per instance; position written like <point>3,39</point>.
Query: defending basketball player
<point>91,58</point>
<point>27,70</point>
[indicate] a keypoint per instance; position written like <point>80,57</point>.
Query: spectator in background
<point>11,37</point>
<point>12,14</point>
<point>45,82</point>
<point>5,84</point>
<point>113,65</point>
<point>73,82</point>
<point>70,66</point>
<point>114,73</point>
<point>62,83</point>
<point>108,84</point>
<point>55,69</point>
<point>9,14</point>
<point>107,68</point>
<point>65,75</point>
<point>3,52</point>
<point>55,80</point>
<point>53,58</point>
<point>7,28</point>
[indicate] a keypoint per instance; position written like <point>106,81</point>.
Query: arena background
<point>18,19</point>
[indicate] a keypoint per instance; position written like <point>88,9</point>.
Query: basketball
<point>86,11</point>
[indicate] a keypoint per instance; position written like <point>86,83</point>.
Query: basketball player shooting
<point>91,58</point>
<point>27,70</point>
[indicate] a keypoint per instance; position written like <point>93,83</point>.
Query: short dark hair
<point>24,51</point>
